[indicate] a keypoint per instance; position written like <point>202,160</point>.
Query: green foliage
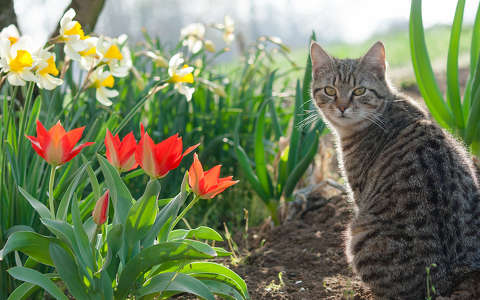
<point>460,116</point>
<point>294,159</point>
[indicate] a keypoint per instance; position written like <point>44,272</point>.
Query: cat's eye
<point>330,91</point>
<point>359,91</point>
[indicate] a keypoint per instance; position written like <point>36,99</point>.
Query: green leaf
<point>307,78</point>
<point>300,168</point>
<point>475,45</point>
<point>142,214</point>
<point>176,282</point>
<point>120,195</point>
<point>201,233</point>
<point>30,243</point>
<point>453,85</point>
<point>247,169</point>
<point>24,291</point>
<point>62,210</point>
<point>212,270</point>
<point>423,69</point>
<point>474,112</point>
<point>63,231</point>
<point>35,277</point>
<point>93,179</point>
<point>222,252</point>
<point>222,289</point>
<point>68,271</point>
<point>269,97</point>
<point>161,253</point>
<point>41,209</point>
<point>114,242</point>
<point>84,249</point>
<point>163,223</point>
<point>295,137</point>
<point>259,152</point>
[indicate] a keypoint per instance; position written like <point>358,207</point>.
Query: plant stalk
<point>50,191</point>
<point>182,214</point>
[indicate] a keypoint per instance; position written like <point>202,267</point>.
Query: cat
<point>413,186</point>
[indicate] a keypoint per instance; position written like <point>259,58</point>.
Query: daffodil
<point>17,61</point>
<point>180,75</point>
<point>103,81</point>
<point>72,34</point>
<point>116,54</point>
<point>192,36</point>
<point>10,33</point>
<point>228,30</point>
<point>46,70</point>
<point>89,58</point>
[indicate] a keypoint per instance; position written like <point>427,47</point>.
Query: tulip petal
<point>195,173</point>
<point>221,187</point>
<point>76,150</point>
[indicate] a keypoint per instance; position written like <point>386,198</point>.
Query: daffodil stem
<point>182,214</point>
<point>50,191</point>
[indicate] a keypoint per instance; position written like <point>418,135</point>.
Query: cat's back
<point>417,202</point>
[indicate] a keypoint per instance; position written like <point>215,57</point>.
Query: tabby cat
<point>415,193</point>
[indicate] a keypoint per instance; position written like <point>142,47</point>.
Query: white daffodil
<point>72,34</point>
<point>16,60</point>
<point>45,70</point>
<point>89,58</point>
<point>10,33</point>
<point>115,53</point>
<point>103,80</point>
<point>192,36</point>
<point>180,75</point>
<point>228,30</point>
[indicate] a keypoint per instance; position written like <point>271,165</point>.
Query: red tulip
<point>100,211</point>
<point>56,145</point>
<point>121,154</point>
<point>207,184</point>
<point>158,159</point>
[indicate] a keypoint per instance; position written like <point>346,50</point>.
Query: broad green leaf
<point>142,214</point>
<point>62,210</point>
<point>175,282</point>
<point>474,112</point>
<point>63,231</point>
<point>23,291</point>
<point>222,289</point>
<point>68,271</point>
<point>259,152</point>
<point>202,233</point>
<point>119,194</point>
<point>307,77</point>
<point>93,179</point>
<point>37,278</point>
<point>423,69</point>
<point>30,243</point>
<point>163,223</point>
<point>268,96</point>
<point>161,253</point>
<point>453,85</point>
<point>41,209</point>
<point>212,270</point>
<point>475,45</point>
<point>222,252</point>
<point>114,242</point>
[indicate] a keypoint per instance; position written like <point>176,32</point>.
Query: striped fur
<point>413,185</point>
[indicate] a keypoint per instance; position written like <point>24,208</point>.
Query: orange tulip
<point>121,154</point>
<point>100,211</point>
<point>56,145</point>
<point>207,184</point>
<point>159,159</point>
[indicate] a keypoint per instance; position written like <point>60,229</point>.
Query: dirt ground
<point>308,253</point>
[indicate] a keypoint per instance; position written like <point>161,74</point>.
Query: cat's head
<point>350,93</point>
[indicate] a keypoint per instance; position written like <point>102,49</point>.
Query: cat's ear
<point>320,58</point>
<point>374,60</point>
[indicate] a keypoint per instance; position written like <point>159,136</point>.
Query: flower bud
<point>101,209</point>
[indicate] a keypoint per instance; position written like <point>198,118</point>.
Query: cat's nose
<point>342,108</point>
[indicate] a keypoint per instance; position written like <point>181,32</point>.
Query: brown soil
<point>308,253</point>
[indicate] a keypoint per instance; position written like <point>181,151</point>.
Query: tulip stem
<point>50,191</point>
<point>182,214</point>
